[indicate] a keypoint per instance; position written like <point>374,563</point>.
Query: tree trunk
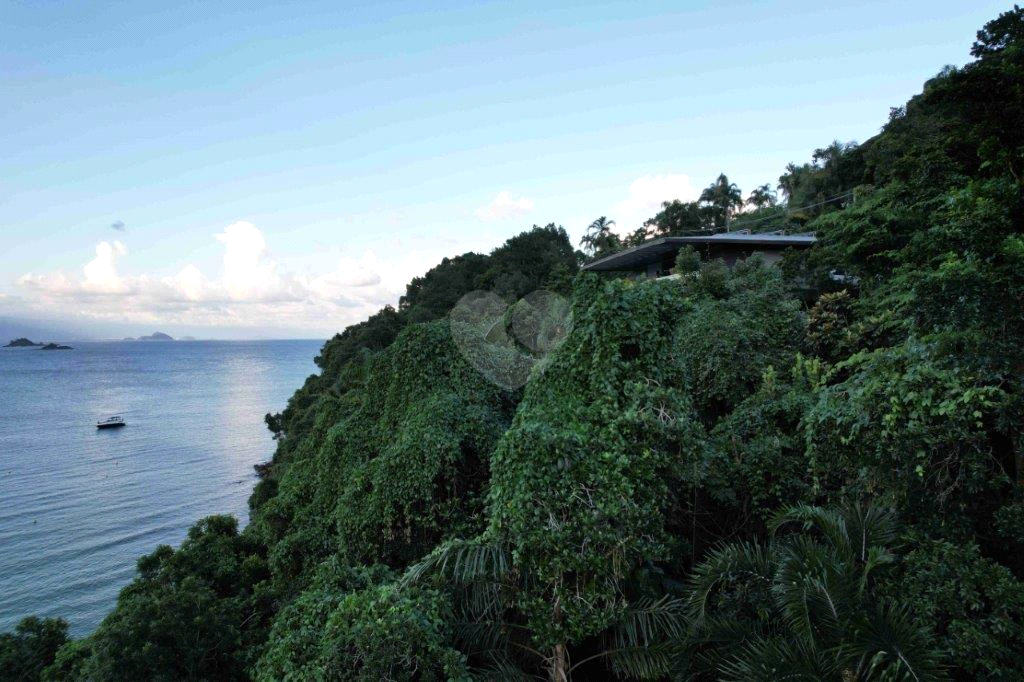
<point>560,664</point>
<point>1017,445</point>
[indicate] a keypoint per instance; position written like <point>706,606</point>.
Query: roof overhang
<point>638,257</point>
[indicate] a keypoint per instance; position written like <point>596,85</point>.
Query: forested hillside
<point>714,477</point>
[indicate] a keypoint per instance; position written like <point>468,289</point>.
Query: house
<point>657,257</point>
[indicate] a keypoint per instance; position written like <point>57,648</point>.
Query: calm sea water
<point>78,505</point>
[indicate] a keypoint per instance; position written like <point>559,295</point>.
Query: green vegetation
<point>711,478</point>
<point>31,647</point>
<point>806,604</point>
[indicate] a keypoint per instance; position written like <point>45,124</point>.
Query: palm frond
<point>831,523</point>
<point>649,621</point>
<point>461,561</point>
<point>872,525</point>
<point>814,590</point>
<point>479,637</point>
<point>774,659</point>
<point>876,556</point>
<point>482,599</point>
<point>723,631</point>
<point>649,662</point>
<point>895,648</point>
<point>647,640</point>
<point>500,671</point>
<point>741,562</point>
<point>853,529</point>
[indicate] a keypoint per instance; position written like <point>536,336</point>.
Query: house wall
<point>729,253</point>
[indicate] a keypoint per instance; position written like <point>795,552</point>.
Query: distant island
<point>26,343</point>
<point>155,336</point>
<point>22,343</point>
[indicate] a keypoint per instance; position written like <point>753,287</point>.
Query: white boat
<point>110,422</point>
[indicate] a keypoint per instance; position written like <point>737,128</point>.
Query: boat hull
<point>109,426</point>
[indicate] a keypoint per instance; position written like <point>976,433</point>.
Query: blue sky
<point>283,170</point>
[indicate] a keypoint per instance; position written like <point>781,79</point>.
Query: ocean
<point>78,505</point>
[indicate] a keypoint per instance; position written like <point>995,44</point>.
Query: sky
<point>250,170</point>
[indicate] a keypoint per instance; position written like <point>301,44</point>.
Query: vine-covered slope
<point>740,474</point>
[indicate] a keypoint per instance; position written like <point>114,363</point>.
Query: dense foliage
<point>32,647</point>
<point>712,477</point>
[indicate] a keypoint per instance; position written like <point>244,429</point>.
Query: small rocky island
<point>155,336</point>
<point>26,343</point>
<point>22,343</point>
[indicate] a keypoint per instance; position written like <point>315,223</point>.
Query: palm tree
<point>831,154</point>
<point>600,238</point>
<point>724,197</point>
<point>762,196</point>
<point>790,180</point>
<point>804,606</point>
<point>637,236</point>
<point>643,644</point>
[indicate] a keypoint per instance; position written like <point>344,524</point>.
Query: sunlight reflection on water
<point>78,506</point>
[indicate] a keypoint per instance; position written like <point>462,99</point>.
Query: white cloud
<point>246,273</point>
<point>99,275</point>
<point>350,274</point>
<point>190,283</point>
<point>250,291</point>
<point>504,206</point>
<point>646,195</point>
<point>638,202</point>
<point>54,283</point>
<point>101,272</point>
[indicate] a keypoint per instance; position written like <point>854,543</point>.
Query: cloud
<point>249,290</point>
<point>101,272</point>
<point>504,206</point>
<point>350,274</point>
<point>99,276</point>
<point>118,225</point>
<point>247,274</point>
<point>637,203</point>
<point>646,195</point>
<point>190,283</point>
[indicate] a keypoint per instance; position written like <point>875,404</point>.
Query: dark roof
<point>637,257</point>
